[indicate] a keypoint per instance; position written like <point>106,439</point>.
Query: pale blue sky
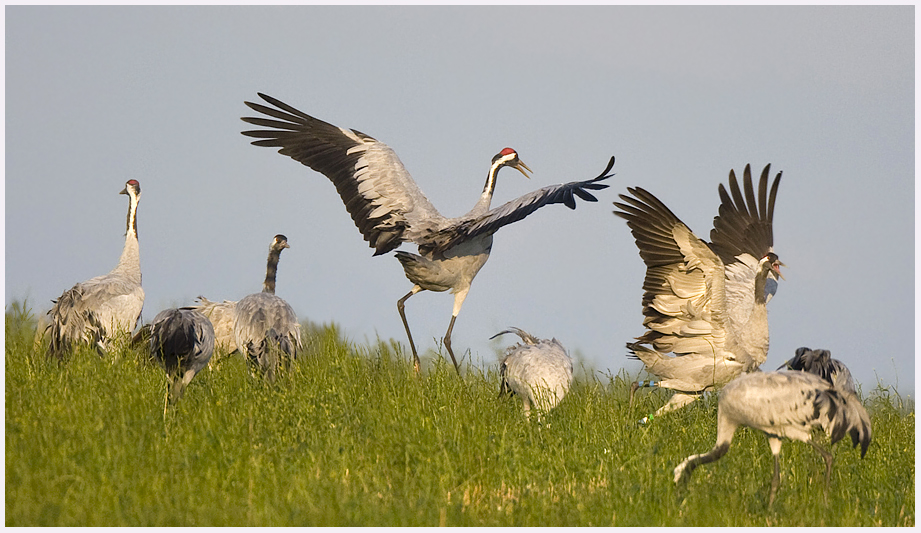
<point>99,95</point>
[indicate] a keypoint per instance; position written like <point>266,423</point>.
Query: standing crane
<point>92,311</point>
<point>182,340</point>
<point>785,405</point>
<point>264,324</point>
<point>539,370</point>
<point>704,302</point>
<point>820,363</point>
<point>388,208</point>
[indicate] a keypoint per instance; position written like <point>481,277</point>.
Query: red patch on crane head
<point>506,151</point>
<point>133,182</point>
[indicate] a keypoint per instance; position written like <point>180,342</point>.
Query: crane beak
<point>521,167</point>
<point>124,191</point>
<point>775,266</point>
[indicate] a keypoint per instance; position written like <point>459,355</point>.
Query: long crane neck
<point>130,261</point>
<point>271,269</point>
<point>485,200</point>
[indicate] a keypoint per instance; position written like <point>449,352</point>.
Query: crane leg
<point>448,343</point>
<point>775,444</point>
<point>412,345</point>
<point>829,459</point>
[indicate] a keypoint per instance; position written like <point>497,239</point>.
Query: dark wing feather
<point>744,223</point>
<point>518,209</point>
<point>378,192</point>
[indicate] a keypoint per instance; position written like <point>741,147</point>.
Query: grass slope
<point>350,436</point>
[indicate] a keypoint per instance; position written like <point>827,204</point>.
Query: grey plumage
<point>389,208</point>
<point>705,302</point>
<point>537,370</point>
<point>820,363</point>
<point>785,405</point>
<point>265,326</point>
<point>92,311</point>
<point>182,340</point>
<point>221,316</point>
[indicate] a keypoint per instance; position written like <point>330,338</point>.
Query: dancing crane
<point>704,302</point>
<point>389,208</point>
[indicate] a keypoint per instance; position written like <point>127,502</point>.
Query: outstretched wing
<point>385,203</point>
<point>744,223</point>
<point>515,210</point>
<point>742,235</point>
<point>682,299</point>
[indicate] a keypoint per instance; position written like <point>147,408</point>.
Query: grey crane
<point>785,405</point>
<point>704,302</point>
<point>820,363</point>
<point>221,316</point>
<point>389,208</point>
<point>264,324</point>
<point>182,340</point>
<point>537,370</point>
<point>92,311</point>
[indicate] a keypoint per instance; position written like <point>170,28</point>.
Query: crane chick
<point>539,370</point>
<point>785,404</point>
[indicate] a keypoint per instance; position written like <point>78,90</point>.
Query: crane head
<point>280,242</point>
<point>133,185</point>
<point>774,264</point>
<point>509,158</point>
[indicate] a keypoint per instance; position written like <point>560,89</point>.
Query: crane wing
<point>385,203</point>
<point>742,234</point>
<point>744,223</point>
<point>683,288</point>
<point>515,210</point>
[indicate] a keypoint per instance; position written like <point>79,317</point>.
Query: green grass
<point>350,436</point>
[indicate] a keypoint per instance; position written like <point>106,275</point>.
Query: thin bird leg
<point>412,345</point>
<point>775,481</point>
<point>459,298</point>
<point>829,459</point>
<point>775,444</point>
<point>637,384</point>
<point>448,343</point>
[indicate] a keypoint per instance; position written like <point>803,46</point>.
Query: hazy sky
<point>680,95</point>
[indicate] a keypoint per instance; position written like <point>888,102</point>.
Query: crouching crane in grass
<point>820,363</point>
<point>93,311</point>
<point>182,340</point>
<point>706,303</point>
<point>389,209</point>
<point>537,370</point>
<point>264,325</point>
<point>785,405</point>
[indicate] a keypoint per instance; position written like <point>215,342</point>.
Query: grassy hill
<point>350,436</point>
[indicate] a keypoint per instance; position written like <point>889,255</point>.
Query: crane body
<point>92,311</point>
